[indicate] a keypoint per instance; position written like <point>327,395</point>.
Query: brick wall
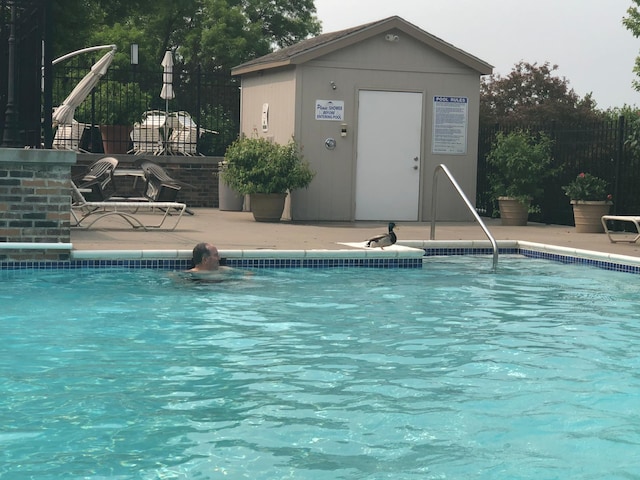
<point>200,172</point>
<point>34,201</point>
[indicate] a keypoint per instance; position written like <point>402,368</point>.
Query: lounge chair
<point>147,136</point>
<point>184,134</point>
<point>97,184</point>
<point>69,137</point>
<point>102,186</point>
<point>160,186</point>
<point>616,236</point>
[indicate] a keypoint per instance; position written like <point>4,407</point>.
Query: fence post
<point>618,162</point>
<point>198,101</point>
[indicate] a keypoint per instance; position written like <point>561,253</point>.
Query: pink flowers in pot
<point>587,187</point>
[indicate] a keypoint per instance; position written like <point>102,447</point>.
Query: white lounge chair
<point>184,134</point>
<point>148,135</point>
<point>100,186</point>
<point>68,136</point>
<point>616,236</point>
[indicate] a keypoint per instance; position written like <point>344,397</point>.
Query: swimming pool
<point>449,371</point>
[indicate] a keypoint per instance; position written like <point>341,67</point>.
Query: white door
<point>388,155</point>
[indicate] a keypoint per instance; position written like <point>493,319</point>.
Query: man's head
<point>205,256</point>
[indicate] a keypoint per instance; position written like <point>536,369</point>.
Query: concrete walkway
<point>238,230</point>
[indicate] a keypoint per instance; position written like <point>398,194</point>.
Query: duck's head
<point>391,226</point>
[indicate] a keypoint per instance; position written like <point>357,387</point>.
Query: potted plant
<point>266,171</point>
<point>519,164</point>
<point>590,201</point>
<point>118,107</point>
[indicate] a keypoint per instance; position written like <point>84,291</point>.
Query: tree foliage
<point>532,94</point>
<point>632,23</point>
<point>213,34</point>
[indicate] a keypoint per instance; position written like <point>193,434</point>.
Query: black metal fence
<point>27,97</point>
<point>23,32</point>
<point>597,148</point>
<point>202,119</point>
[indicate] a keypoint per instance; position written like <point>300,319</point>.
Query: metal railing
<point>434,200</point>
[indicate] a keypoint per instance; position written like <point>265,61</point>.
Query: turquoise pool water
<point>449,372</point>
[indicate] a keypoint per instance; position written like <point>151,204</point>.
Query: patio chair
<point>91,202</point>
<point>97,184</point>
<point>160,186</point>
<point>148,135</point>
<point>184,134</point>
<point>81,210</point>
<point>69,136</point>
<point>616,236</point>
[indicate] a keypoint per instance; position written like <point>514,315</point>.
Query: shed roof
<point>315,47</point>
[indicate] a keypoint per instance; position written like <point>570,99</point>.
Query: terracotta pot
<point>587,215</point>
<point>513,212</point>
<point>267,207</point>
<point>115,138</point>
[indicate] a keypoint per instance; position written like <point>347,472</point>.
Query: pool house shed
<point>376,108</point>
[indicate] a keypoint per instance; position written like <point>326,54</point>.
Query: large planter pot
<point>267,207</point>
<point>228,199</point>
<point>587,215</point>
<point>513,212</point>
<point>115,138</point>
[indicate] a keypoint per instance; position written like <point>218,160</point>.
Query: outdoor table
<point>134,173</point>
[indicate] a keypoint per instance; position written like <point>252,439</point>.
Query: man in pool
<point>205,259</point>
<point>207,268</point>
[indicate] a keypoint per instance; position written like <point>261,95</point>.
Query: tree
<point>213,34</point>
<point>532,94</point>
<point>632,23</point>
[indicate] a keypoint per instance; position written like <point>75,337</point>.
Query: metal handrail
<point>434,198</point>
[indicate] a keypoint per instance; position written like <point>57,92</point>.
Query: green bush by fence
<point>597,148</point>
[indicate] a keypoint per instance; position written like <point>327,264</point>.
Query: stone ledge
<point>31,156</point>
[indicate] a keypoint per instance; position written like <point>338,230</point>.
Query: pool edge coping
<point>358,255</point>
<point>414,248</point>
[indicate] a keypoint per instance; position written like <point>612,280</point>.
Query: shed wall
<point>277,89</point>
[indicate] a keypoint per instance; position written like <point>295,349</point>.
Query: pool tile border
<point>411,254</point>
<point>173,264</point>
<point>605,261</point>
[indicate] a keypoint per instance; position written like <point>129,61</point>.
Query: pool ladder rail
<point>434,200</point>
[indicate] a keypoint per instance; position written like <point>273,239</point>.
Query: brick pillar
<point>35,200</point>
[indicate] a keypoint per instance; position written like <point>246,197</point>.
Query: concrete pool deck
<point>239,231</point>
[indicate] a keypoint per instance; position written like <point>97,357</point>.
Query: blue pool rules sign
<point>450,124</point>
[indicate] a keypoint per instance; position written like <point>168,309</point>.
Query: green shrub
<point>256,165</point>
<point>520,164</point>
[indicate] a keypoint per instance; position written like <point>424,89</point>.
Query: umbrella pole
<point>166,126</point>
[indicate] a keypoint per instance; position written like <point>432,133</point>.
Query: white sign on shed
<point>330,110</point>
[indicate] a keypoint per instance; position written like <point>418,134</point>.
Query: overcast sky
<point>585,38</point>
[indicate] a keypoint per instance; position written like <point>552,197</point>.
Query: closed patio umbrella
<point>167,77</point>
<point>167,85</point>
<point>65,112</point>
